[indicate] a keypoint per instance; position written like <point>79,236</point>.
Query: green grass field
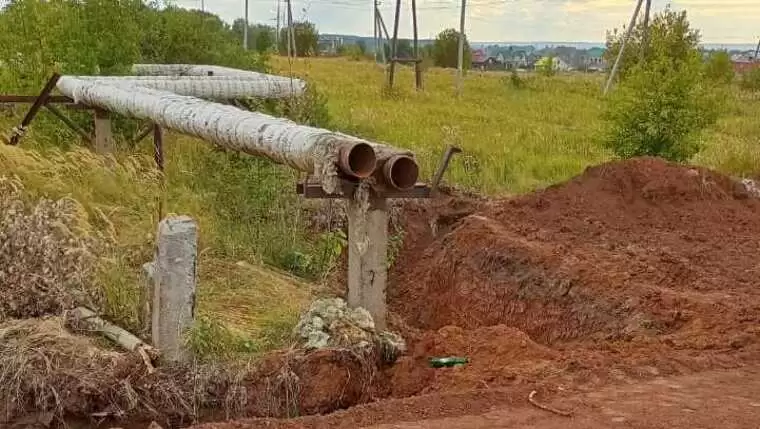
<point>515,140</point>
<point>252,223</point>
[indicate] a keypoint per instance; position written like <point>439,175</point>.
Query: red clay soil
<point>634,270</point>
<point>712,399</point>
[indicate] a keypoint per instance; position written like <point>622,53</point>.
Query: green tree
<point>306,37</point>
<point>719,69</point>
<point>545,66</point>
<point>669,31</point>
<point>446,49</point>
<point>260,37</point>
<point>663,104</point>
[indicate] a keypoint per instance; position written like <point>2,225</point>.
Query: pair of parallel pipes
<point>170,96</point>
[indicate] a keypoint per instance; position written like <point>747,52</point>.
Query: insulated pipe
<point>210,87</point>
<point>312,150</point>
<point>400,172</point>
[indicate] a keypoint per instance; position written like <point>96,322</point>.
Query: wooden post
<point>394,46</point>
<point>367,257</point>
<point>417,62</point>
<point>103,133</point>
<point>460,55</point>
<point>173,304</point>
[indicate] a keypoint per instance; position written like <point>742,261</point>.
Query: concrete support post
<point>103,133</point>
<point>367,258</point>
<point>173,305</point>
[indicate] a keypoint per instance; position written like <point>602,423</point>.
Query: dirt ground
<point>723,398</point>
<point>591,292</point>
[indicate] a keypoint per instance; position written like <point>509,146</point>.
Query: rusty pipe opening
<point>401,172</point>
<point>357,160</point>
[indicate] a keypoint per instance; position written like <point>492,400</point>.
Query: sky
<point>720,21</point>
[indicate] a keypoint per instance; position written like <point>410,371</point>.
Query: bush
<point>660,110</point>
<point>669,33</point>
<point>665,98</point>
<point>47,255</point>
<point>751,80</point>
<point>719,68</point>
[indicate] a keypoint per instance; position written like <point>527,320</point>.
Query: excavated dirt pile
<point>640,263</point>
<point>634,269</point>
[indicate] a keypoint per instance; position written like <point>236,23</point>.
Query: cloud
<point>723,21</point>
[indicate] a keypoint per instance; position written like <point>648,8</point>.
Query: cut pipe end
<point>401,172</point>
<point>358,160</point>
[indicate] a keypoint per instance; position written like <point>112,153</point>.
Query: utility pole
<point>291,31</point>
<point>417,60</point>
<point>277,33</point>
<point>645,41</point>
<point>376,28</point>
<point>382,29</point>
<point>627,35</point>
<point>203,6</point>
<point>245,29</point>
<point>460,60</point>
<point>394,46</point>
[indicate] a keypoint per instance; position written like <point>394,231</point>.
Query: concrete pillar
<point>173,305</point>
<point>103,133</point>
<point>367,258</point>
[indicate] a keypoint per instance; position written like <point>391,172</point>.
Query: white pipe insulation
<point>211,87</point>
<point>308,149</point>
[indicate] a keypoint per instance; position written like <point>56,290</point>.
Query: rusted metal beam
<point>57,99</point>
<point>74,127</point>
<point>314,190</point>
<point>38,103</point>
<point>450,152</point>
<point>158,146</point>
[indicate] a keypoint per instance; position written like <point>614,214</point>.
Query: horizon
<point>721,23</point>
<point>747,45</point>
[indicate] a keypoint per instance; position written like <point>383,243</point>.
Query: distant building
<point>481,60</point>
<point>329,44</point>
<point>744,66</point>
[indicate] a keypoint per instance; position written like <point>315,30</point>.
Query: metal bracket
<point>38,103</point>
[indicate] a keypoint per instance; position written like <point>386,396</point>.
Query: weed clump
<point>47,255</point>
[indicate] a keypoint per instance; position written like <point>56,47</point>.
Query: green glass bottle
<point>441,362</point>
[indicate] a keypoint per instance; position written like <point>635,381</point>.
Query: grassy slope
<point>515,139</point>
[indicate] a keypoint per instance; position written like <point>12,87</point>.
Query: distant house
<point>558,64</point>
<point>745,66</point>
<point>481,60</point>
<point>593,60</point>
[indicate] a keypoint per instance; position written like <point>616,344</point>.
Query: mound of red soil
<point>628,248</point>
<point>497,355</point>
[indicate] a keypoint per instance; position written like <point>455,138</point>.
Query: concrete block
<point>173,305</point>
